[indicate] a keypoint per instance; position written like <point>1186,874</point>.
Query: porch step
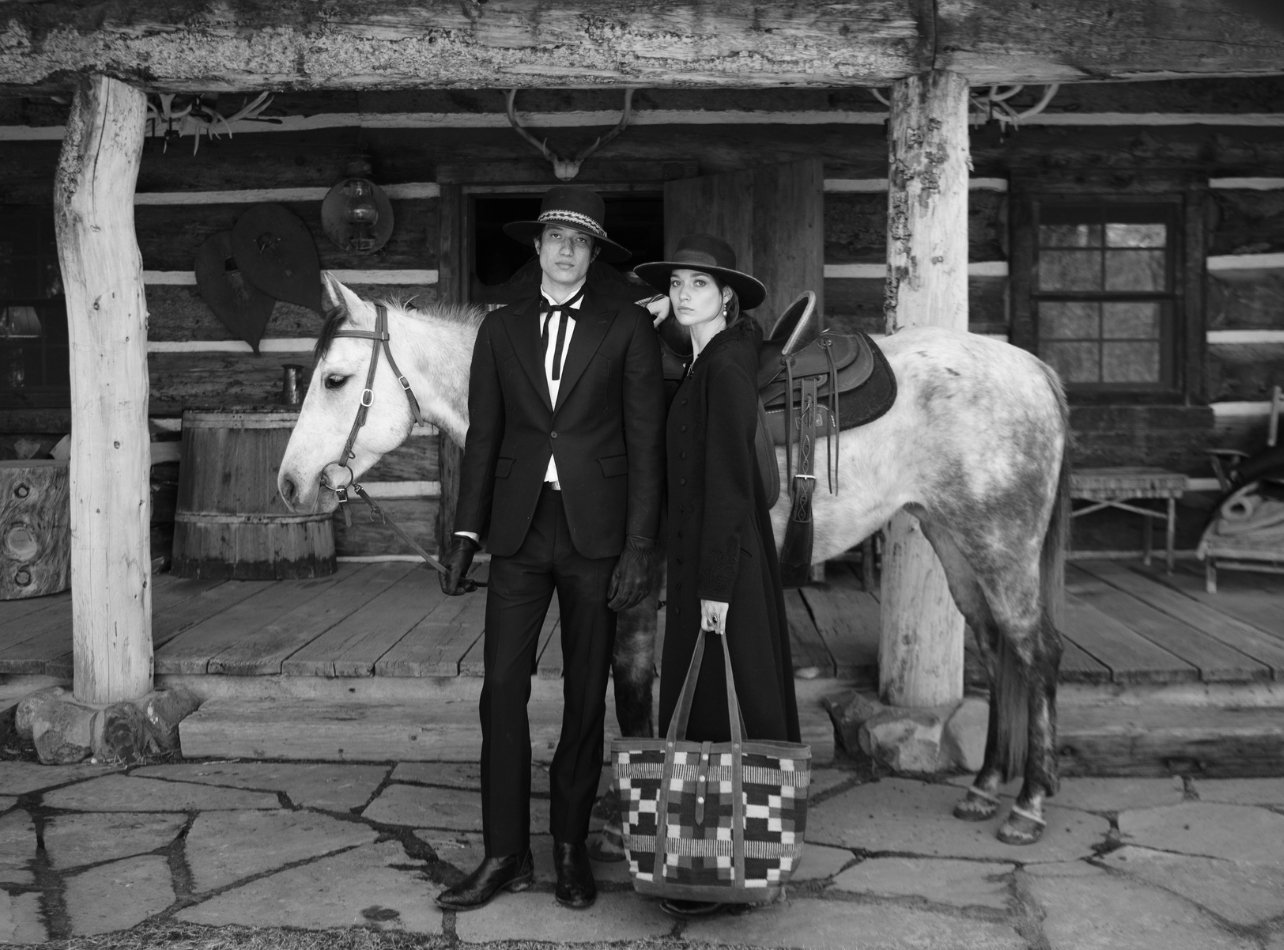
<point>439,727</point>
<point>1094,739</point>
<point>1158,739</point>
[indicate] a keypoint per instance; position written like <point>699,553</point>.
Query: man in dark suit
<point>561,475</point>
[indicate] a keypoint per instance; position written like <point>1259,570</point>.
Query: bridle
<point>379,344</point>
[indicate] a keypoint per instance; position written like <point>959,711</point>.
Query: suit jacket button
<point>552,435</point>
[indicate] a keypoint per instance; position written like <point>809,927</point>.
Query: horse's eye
<point>335,381</point>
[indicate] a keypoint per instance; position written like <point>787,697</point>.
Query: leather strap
<point>678,733</point>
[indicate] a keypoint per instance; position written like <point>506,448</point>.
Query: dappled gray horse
<point>973,446</point>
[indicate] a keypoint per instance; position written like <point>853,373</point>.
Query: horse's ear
<point>335,295</point>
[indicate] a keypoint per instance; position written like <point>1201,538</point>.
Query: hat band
<point>582,221</point>
<point>687,256</point>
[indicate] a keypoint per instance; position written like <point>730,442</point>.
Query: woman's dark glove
<point>456,562</point>
<point>631,580</point>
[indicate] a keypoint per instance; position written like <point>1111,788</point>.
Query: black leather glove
<point>632,578</point>
<point>456,562</point>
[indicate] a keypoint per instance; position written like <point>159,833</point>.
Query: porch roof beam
<point>214,46</point>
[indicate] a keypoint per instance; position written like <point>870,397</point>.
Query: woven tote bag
<point>711,821</point>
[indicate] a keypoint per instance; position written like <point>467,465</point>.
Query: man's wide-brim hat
<point>709,255</point>
<point>575,207</point>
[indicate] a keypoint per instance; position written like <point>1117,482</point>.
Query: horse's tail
<point>1011,700</point>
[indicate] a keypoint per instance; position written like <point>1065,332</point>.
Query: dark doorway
<point>501,267</point>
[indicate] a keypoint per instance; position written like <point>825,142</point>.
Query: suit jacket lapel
<point>590,329</point>
<point>525,337</point>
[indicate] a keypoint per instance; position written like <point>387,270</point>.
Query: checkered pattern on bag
<point>699,846</point>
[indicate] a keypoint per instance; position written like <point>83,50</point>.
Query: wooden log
<point>439,44</point>
<point>712,43</point>
<point>1244,371</point>
<point>110,443</point>
<point>170,234</point>
<point>921,648</point>
<point>1246,299</point>
<point>35,537</point>
<point>857,303</point>
<point>856,227</point>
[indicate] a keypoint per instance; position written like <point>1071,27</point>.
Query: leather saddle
<point>812,384</point>
<point>853,383</point>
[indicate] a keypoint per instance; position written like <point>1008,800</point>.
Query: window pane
<point>1136,235</point>
<point>1131,321</point>
<point>1070,270</point>
<point>1135,270</point>
<point>1070,235</point>
<point>1069,320</point>
<point>1076,362</point>
<point>1130,362</point>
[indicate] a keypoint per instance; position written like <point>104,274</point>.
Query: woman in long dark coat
<point>723,574</point>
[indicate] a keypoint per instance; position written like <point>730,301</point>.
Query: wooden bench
<point>1119,487</point>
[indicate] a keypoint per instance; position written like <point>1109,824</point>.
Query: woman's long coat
<point>720,547</point>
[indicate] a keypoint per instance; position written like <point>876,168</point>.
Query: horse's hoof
<point>976,806</point>
<point>608,844</point>
<point>1021,828</point>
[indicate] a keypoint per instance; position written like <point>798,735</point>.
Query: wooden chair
<point>1226,462</point>
<point>1246,531</point>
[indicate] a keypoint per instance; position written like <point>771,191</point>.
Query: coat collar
<point>591,324</point>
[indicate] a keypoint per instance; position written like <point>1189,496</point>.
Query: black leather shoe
<point>575,885</point>
<point>515,872</point>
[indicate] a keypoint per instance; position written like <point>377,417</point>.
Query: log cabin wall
<point>1223,137</point>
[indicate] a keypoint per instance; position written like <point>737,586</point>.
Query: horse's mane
<point>337,317</point>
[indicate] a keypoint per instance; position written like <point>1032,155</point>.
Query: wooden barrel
<point>35,528</point>
<point>229,521</point>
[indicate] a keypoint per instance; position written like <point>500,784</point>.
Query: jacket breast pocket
<point>503,467</point>
<point>614,466</point>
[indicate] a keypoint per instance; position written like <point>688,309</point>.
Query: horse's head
<point>314,463</point>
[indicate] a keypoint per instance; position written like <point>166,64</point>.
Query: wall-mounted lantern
<point>356,214</point>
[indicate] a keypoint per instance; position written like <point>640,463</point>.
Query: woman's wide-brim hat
<point>709,255</point>
<point>571,206</point>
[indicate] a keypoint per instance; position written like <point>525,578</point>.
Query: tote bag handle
<point>677,733</point>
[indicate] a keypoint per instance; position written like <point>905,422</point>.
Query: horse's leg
<point>633,670</point>
<point>1022,652</point>
<point>981,801</point>
<point>633,667</point>
<point>1025,822</point>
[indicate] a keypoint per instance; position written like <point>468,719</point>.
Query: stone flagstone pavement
<point>1125,864</point>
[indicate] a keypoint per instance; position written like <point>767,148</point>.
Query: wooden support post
<point>110,446</point>
<point>921,647</point>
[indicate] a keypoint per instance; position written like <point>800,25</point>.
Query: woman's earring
<point>724,311</point>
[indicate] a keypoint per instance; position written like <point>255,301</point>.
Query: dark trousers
<point>517,598</point>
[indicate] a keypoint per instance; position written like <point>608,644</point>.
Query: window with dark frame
<point>1105,294</point>
<point>34,357</point>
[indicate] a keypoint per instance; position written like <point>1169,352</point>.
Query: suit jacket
<point>606,431</point>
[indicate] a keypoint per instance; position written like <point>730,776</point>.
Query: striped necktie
<point>565,310</point>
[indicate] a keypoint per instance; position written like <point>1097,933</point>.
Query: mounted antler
<point>993,104</point>
<point>566,169</point>
<point>199,116</point>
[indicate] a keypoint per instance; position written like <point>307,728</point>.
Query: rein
<point>379,344</point>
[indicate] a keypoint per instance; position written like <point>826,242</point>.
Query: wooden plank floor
<point>1125,624</point>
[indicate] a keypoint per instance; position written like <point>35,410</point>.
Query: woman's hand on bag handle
<point>713,616</point>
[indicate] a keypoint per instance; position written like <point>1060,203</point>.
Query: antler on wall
<point>565,169</point>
